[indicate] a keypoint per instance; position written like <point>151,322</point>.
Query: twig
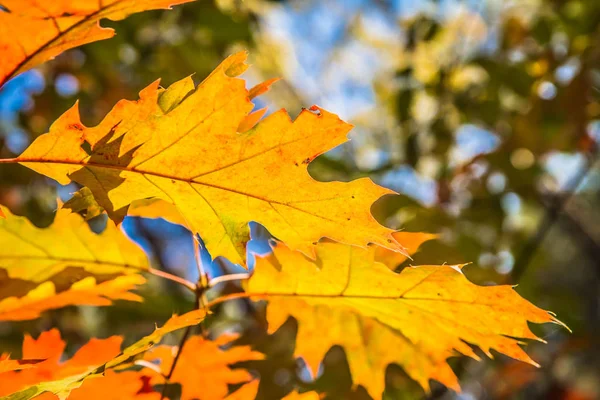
<point>177,279</point>
<point>200,301</point>
<point>227,278</point>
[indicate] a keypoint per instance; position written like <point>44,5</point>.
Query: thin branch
<point>177,279</point>
<point>200,301</point>
<point>233,296</point>
<point>228,278</point>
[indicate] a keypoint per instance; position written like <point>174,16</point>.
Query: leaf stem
<point>233,296</point>
<point>8,160</point>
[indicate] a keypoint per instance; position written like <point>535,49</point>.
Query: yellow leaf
<point>411,242</point>
<point>417,318</point>
<point>64,264</point>
<point>83,201</point>
<point>32,32</point>
<point>192,155</point>
<point>203,367</point>
<point>84,292</point>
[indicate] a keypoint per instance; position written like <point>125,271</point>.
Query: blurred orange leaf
<point>6,364</point>
<point>203,367</point>
<point>32,33</point>
<point>49,346</point>
<point>90,362</point>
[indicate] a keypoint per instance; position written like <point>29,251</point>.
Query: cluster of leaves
<point>199,156</point>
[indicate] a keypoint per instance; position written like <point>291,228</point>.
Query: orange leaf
<point>32,33</point>
<point>186,150</point>
<point>93,359</point>
<point>6,364</point>
<point>417,318</point>
<point>114,386</point>
<point>203,367</point>
<point>49,346</point>
<point>251,120</point>
<point>261,88</point>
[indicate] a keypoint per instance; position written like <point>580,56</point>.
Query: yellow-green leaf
<point>64,264</point>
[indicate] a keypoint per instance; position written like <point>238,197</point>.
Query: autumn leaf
<point>302,396</point>
<point>49,346</point>
<point>6,364</point>
<point>411,242</point>
<point>64,264</point>
<point>417,318</point>
<point>84,292</point>
<point>182,145</point>
<point>90,364</point>
<point>32,33</point>
<point>203,368</point>
<point>250,390</point>
<point>111,386</point>
<point>83,201</point>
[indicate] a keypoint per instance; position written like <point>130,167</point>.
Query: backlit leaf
<point>83,201</point>
<point>186,149</point>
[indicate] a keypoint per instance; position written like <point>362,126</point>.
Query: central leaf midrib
<point>74,260</point>
<point>167,176</point>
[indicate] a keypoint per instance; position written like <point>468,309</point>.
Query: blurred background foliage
<point>483,114</point>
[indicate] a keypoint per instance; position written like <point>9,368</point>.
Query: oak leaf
<point>411,242</point>
<point>64,264</point>
<point>203,368</point>
<point>32,32</point>
<point>182,145</point>
<point>417,318</point>
<point>83,202</point>
<point>91,364</point>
